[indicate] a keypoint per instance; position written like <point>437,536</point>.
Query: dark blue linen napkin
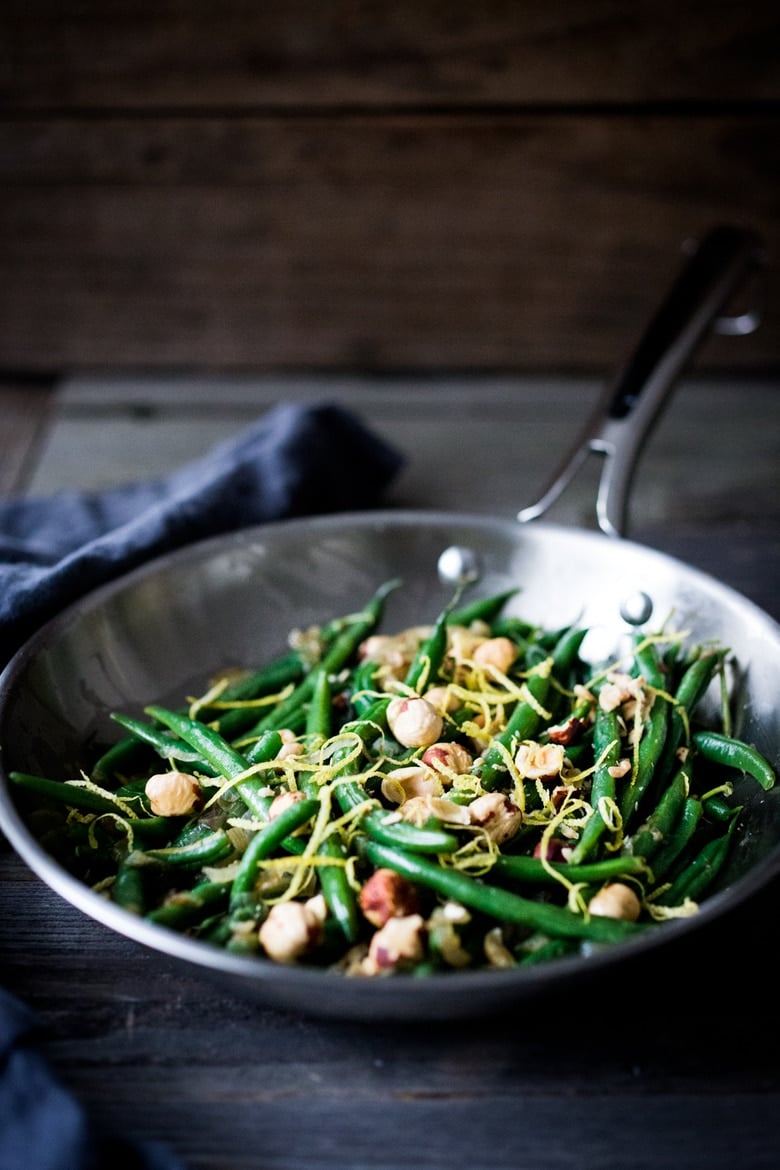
<point>298,460</point>
<point>42,1126</point>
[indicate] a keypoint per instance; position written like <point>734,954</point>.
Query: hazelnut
<point>497,815</point>
<point>536,761</point>
<point>496,652</point>
<point>395,652</point>
<point>414,722</point>
<point>398,941</point>
<point>616,900</point>
<point>618,688</point>
<point>448,757</point>
<point>290,930</point>
<point>404,783</point>
<point>282,801</point>
<point>442,700</point>
<point>567,732</point>
<point>419,809</point>
<point>556,849</point>
<point>387,895</point>
<point>174,794</point>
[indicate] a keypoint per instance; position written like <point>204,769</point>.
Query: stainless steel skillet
<point>231,600</point>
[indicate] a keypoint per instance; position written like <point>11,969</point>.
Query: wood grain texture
<point>24,416</point>
<point>179,54</point>
<point>158,1054</point>
<point>520,242</point>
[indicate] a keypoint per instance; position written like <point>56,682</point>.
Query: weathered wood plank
<point>160,1054</point>
<point>402,242</point>
<point>24,413</point>
<point>111,430</point>
<point>178,54</point>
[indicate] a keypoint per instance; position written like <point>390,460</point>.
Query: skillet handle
<point>628,409</point>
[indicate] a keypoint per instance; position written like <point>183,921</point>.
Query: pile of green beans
<point>543,808</point>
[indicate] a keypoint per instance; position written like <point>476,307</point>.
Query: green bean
<point>606,749</point>
<point>319,718</point>
<point>522,868</point>
<point>215,750</point>
<point>678,839</point>
<point>429,838</point>
<point>263,750</point>
<point>498,903</point>
<point>733,753</point>
<point>702,871</point>
<point>154,830</point>
<point>128,890</point>
<point>380,824</point>
<point>648,663</point>
<point>166,745</point>
<point>64,793</point>
<point>484,609</point>
<point>526,718</point>
<point>553,948</point>
<point>188,907</point>
<point>425,667</point>
<point>264,843</point>
<point>209,849</point>
<point>361,686</point>
<point>122,757</point>
<point>651,746</point>
<point>690,690</point>
<point>223,758</point>
<point>662,820</point>
<point>339,653</point>
<point>716,808</point>
<point>336,890</point>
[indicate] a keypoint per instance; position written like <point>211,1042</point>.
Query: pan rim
<point>352,998</point>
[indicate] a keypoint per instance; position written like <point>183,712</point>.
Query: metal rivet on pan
<point>459,566</point>
<point>636,609</point>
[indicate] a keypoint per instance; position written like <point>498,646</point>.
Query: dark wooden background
<point>379,187</point>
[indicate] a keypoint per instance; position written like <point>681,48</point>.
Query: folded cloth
<point>42,1126</point>
<point>298,460</point>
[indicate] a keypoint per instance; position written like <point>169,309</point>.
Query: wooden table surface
<point>673,1064</point>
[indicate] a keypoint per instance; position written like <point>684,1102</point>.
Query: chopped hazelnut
<point>398,941</point>
<point>448,757</point>
<point>395,652</point>
<point>567,732</point>
<point>535,761</point>
<point>386,895</point>
<point>497,815</point>
<point>556,849</point>
<point>404,784</point>
<point>618,689</point>
<point>290,930</point>
<point>174,794</point>
<point>496,951</point>
<point>420,809</point>
<point>290,749</point>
